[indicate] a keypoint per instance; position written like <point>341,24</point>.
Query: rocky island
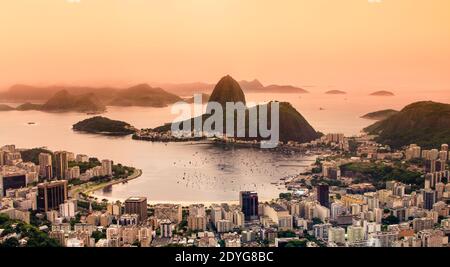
<point>293,126</point>
<point>380,115</point>
<point>4,107</point>
<point>105,126</point>
<point>382,93</point>
<point>335,92</point>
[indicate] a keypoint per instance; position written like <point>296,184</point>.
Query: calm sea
<point>198,172</point>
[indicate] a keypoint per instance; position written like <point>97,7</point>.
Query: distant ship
<point>31,123</point>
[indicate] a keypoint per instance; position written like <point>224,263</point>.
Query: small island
<point>335,92</point>
<point>380,115</point>
<point>105,126</point>
<point>29,106</point>
<point>382,93</point>
<point>4,107</point>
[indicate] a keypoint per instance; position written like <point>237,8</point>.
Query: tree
<point>391,219</point>
<point>296,244</point>
<point>97,235</point>
<point>11,242</point>
<point>316,221</point>
<point>287,196</point>
<point>288,234</point>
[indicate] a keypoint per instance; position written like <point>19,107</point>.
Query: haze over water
<point>199,172</point>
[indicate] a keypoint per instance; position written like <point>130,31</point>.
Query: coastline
<point>88,188</point>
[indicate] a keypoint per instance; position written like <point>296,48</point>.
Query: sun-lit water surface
<point>197,172</point>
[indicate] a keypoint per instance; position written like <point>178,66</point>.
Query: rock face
<point>380,115</point>
<point>63,101</point>
<point>292,125</point>
<point>143,95</point>
<point>227,90</point>
<point>102,125</point>
<point>382,93</point>
<point>424,123</point>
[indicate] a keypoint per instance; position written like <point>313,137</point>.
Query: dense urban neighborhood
<point>358,193</point>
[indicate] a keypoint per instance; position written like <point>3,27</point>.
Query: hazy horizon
<point>345,45</point>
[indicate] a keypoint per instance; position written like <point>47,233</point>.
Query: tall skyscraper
<point>107,167</point>
<point>62,164</point>
<point>45,165</point>
<point>429,198</point>
<point>51,195</point>
<point>137,205</point>
<point>249,204</point>
<point>323,195</point>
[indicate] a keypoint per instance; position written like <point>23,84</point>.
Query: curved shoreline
<point>89,188</point>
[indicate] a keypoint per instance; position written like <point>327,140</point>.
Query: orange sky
<point>343,43</point>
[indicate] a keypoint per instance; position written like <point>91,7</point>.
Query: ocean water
<point>198,172</point>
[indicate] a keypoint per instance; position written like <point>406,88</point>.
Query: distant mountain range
<point>143,95</point>
<point>380,115</point>
<point>87,99</point>
<point>424,123</point>
<point>254,86</point>
<point>63,101</point>
<point>157,95</point>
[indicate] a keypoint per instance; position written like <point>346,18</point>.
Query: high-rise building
<point>137,205</point>
<point>166,228</point>
<point>336,235</point>
<point>45,161</point>
<point>62,164</point>
<point>323,195</point>
<point>355,234</point>
<point>429,198</point>
<point>107,167</point>
<point>196,223</point>
<point>172,212</point>
<point>51,195</point>
<point>224,226</point>
<point>414,151</point>
<point>249,204</point>
<point>197,210</point>
<point>321,231</point>
<point>430,165</point>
